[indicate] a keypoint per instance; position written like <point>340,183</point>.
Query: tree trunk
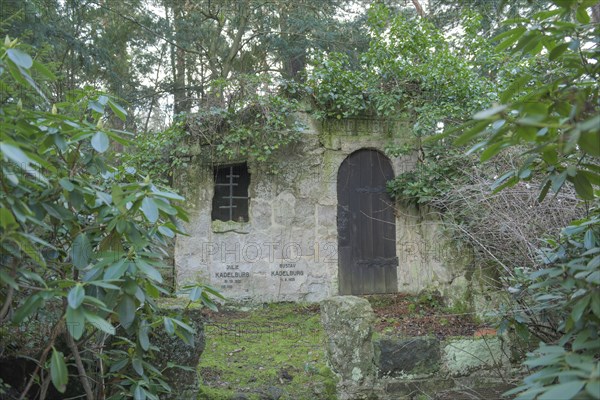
<point>418,8</point>
<point>293,57</point>
<point>236,44</point>
<point>596,13</point>
<point>180,101</point>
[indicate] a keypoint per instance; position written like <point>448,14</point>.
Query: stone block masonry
<point>401,356</point>
<point>348,324</point>
<point>287,248</point>
<point>403,367</point>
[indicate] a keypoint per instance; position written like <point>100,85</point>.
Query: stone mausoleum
<point>316,223</point>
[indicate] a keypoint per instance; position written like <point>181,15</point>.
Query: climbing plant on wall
<point>413,73</point>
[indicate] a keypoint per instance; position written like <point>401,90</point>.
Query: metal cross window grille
<point>230,202</point>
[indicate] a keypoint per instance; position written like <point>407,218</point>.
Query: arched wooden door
<point>366,225</point>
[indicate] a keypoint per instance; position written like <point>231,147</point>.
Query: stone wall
<point>348,325</point>
<point>392,367</point>
<point>287,251</point>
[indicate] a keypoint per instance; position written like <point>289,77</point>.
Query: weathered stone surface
<point>229,226</point>
<point>304,216</point>
<point>462,357</point>
<point>407,356</point>
<point>429,258</point>
<point>184,384</point>
<point>284,208</point>
<point>348,321</point>
<point>293,220</point>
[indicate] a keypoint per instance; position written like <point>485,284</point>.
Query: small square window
<point>230,202</point>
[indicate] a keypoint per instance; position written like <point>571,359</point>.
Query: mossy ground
<point>275,351</point>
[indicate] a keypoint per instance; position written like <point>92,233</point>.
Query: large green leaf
<point>593,388</point>
<point>112,242</point>
<point>594,263</point>
<point>169,326</point>
<point>100,142</point>
<point>165,206</point>
<point>75,322</point>
<point>126,311</point>
<point>511,37</point>
<point>118,110</point>
<point>58,371</point>
<point>490,112</point>
<point>103,284</point>
<point>32,303</point>
<point>20,75</point>
<point>150,209</point>
<point>20,58</point>
<point>183,325</point>
<point>137,365</point>
<point>563,391</point>
<point>76,296</point>
<point>117,197</point>
<point>143,338</point>
<point>139,393</point>
<point>9,280</point>
<point>66,184</point>
<point>96,106</point>
<point>32,251</point>
<point>16,154</point>
<point>469,134</point>
<point>6,219</point>
<point>583,187</point>
<point>99,323</point>
<point>167,195</point>
<point>166,231</point>
<point>81,251</point>
<point>149,270</point>
<point>558,51</point>
<point>195,293</point>
<point>589,239</point>
<point>590,142</point>
<point>582,15</point>
<point>579,308</point>
<point>116,270</point>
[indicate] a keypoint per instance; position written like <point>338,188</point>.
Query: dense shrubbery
<point>254,122</point>
<point>409,71</point>
<point>159,154</point>
<point>249,124</point>
<point>559,305</point>
<point>83,243</point>
<point>555,118</point>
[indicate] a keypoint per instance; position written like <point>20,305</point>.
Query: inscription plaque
<point>231,276</point>
<point>287,272</point>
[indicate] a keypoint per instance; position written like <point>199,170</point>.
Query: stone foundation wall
<point>405,367</point>
<point>287,251</point>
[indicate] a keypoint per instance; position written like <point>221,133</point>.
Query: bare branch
<point>80,367</point>
<point>418,8</point>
